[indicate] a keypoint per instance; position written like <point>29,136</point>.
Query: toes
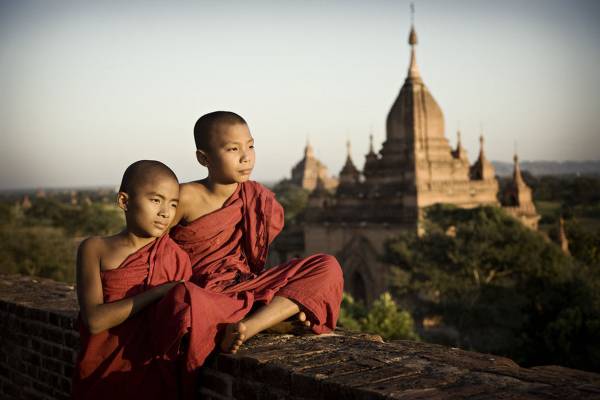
<point>301,316</point>
<point>307,323</point>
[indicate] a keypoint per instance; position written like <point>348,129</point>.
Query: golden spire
<point>308,150</point>
<point>481,152</point>
<point>517,177</point>
<point>348,148</point>
<point>413,70</point>
<point>458,152</point>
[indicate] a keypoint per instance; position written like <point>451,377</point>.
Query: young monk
<point>124,354</point>
<point>226,223</point>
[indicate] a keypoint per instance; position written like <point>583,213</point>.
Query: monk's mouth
<point>245,171</point>
<point>160,225</point>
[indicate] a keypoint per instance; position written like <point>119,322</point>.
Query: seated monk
<point>226,222</point>
<point>134,306</point>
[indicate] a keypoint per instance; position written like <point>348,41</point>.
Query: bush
<point>383,318</point>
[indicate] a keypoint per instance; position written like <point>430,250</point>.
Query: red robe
<point>141,357</point>
<point>228,249</point>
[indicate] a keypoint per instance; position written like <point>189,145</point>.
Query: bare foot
<point>233,337</point>
<point>295,326</point>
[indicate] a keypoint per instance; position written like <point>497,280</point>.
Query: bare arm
<point>95,314</point>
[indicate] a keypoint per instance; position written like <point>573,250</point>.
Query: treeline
<point>576,199</point>
<point>41,238</point>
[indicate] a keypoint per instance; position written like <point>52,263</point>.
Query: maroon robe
<point>141,357</point>
<point>228,249</point>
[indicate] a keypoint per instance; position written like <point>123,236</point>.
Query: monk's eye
<point>232,149</point>
<point>251,146</point>
<point>156,201</point>
<point>173,205</point>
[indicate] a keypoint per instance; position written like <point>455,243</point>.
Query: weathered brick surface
<point>36,318</point>
<point>38,344</point>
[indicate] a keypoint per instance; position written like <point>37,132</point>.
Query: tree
<point>385,319</point>
<point>501,285</point>
<point>293,199</point>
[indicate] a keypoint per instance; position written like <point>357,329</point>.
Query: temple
<point>415,168</point>
<point>309,171</point>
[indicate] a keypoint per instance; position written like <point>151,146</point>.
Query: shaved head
<point>208,124</point>
<point>142,172</point>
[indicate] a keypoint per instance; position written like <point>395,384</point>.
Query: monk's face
<point>150,208</point>
<point>230,157</point>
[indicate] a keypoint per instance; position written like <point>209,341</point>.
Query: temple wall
<point>465,194</point>
<point>358,248</point>
<point>38,343</point>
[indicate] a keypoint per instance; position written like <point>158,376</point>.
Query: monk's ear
<point>202,157</point>
<point>122,200</point>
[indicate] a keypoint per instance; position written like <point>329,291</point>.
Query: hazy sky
<point>89,87</point>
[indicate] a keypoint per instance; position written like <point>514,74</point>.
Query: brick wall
<point>38,344</point>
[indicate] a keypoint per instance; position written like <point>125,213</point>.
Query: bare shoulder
<point>189,193</point>
<point>97,247</point>
<point>189,190</point>
<point>92,245</point>
<point>89,255</point>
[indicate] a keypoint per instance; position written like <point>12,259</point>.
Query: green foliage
<point>94,219</point>
<point>383,318</point>
<point>386,319</point>
<point>584,244</point>
<point>76,220</point>
<point>42,240</point>
<point>38,251</point>
<point>350,313</point>
<point>571,190</point>
<point>293,199</point>
<point>505,288</point>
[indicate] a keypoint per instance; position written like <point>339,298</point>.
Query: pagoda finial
<point>413,70</point>
<point>517,177</point>
<point>412,37</point>
<point>371,143</point>
<point>481,142</point>
<point>348,148</point>
<point>459,152</point>
<point>308,150</point>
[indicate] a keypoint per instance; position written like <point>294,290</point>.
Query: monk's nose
<point>164,212</point>
<point>245,157</point>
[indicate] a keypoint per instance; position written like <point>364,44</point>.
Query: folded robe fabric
<point>143,356</point>
<point>139,357</point>
<point>228,249</point>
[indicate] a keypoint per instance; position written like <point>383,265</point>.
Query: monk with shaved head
<point>125,284</point>
<point>226,223</point>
